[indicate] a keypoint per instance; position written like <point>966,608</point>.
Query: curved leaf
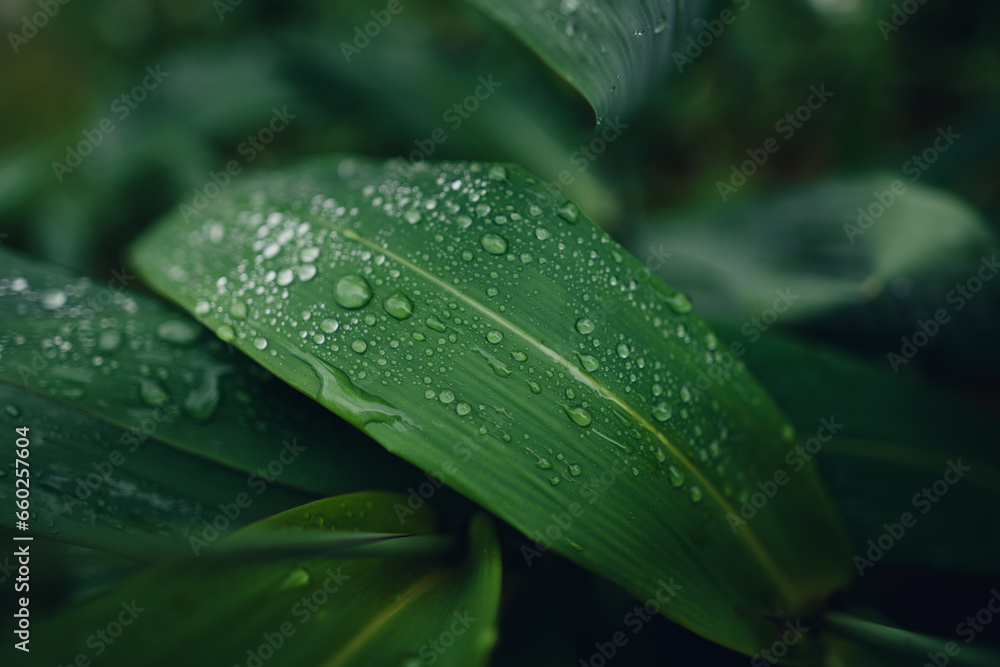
<point>303,607</point>
<point>613,53</point>
<point>473,322</point>
<point>142,425</point>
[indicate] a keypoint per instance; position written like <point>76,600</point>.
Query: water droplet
<point>352,291</point>
<point>435,324</point>
<point>202,402</point>
<point>578,415</point>
<point>226,333</point>
<point>685,394</point>
<point>399,306</point>
<point>329,326</point>
<point>534,211</point>
<point>412,216</point>
<point>285,277</point>
<point>661,24</point>
<point>298,577</point>
<point>695,493</point>
<point>483,210</point>
<point>519,356</point>
<point>447,396</point>
<point>623,350</point>
<point>12,410</point>
<point>494,336</point>
<point>676,477</point>
<point>152,393</point>
<point>494,244</point>
<point>542,234</point>
<point>260,343</point>
<point>575,470</point>
<point>178,332</point>
<point>662,411</point>
<point>463,408</point>
<point>238,310</point>
<point>498,173</point>
<point>678,302</point>
<point>53,299</point>
<point>569,212</point>
<point>202,308</point>
<point>359,346</point>
<point>307,272</point>
<point>588,362</point>
<point>309,254</point>
<point>585,325</point>
<point>109,340</point>
<point>535,388</point>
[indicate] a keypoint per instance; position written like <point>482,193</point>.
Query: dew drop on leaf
<point>399,306</point>
<point>585,325</point>
<point>578,415</point>
<point>662,411</point>
<point>352,292</point>
<point>494,244</point>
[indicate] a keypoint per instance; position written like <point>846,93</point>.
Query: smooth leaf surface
<point>142,423</point>
<point>614,53</point>
<point>302,609</point>
<point>473,322</point>
<point>732,258</point>
<point>888,451</point>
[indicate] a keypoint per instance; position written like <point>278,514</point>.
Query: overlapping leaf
<point>473,322</point>
<point>613,53</point>
<point>314,603</point>
<point>144,427</point>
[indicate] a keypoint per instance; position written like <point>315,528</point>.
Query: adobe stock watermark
<point>635,620</point>
<point>303,610</point>
<point>958,296</point>
<point>121,108</point>
<point>967,630</point>
<point>901,13</point>
<point>923,500</point>
<point>431,651</point>
<point>695,45</point>
<point>793,634</point>
<point>581,159</point>
<point>372,29</point>
<point>914,168</point>
<point>786,127</point>
<point>796,459</point>
<point>30,25</point>
<point>102,638</point>
<point>216,527</point>
<point>454,117</point>
<point>249,149</point>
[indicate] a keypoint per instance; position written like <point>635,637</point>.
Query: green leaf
<point>731,258</point>
<point>305,606</point>
<point>899,434</point>
<point>473,322</point>
<point>613,53</point>
<point>142,425</point>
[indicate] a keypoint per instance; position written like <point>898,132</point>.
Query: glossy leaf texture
<point>886,453</point>
<point>614,53</point>
<point>475,323</point>
<point>310,605</point>
<point>143,424</point>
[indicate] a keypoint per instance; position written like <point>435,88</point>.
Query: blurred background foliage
<point>655,188</point>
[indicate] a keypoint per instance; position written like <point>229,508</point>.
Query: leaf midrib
<point>753,542</point>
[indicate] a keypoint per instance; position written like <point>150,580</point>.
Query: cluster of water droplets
<point>409,280</point>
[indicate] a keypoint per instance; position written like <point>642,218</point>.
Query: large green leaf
<point>613,53</point>
<point>311,604</point>
<point>473,322</point>
<point>142,425</point>
<point>899,434</point>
